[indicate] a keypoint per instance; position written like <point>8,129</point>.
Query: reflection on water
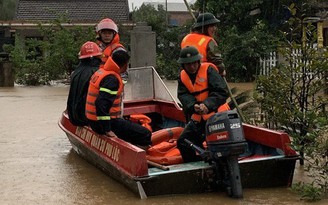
<point>38,165</point>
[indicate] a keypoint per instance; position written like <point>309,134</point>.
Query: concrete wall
<point>143,46</point>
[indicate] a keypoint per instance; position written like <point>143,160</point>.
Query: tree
<point>242,51</point>
<point>244,36</point>
<point>292,96</point>
<point>61,46</point>
<point>167,39</point>
<point>154,18</point>
<point>54,56</point>
<point>249,31</point>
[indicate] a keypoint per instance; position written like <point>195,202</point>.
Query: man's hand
<point>197,109</point>
<point>203,108</point>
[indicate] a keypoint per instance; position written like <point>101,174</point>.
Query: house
<point>322,23</point>
<point>76,10</point>
<point>178,13</point>
<point>81,13</point>
<point>29,13</point>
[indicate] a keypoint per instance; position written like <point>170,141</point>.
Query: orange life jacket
<point>164,146</point>
<point>110,68</point>
<point>200,90</point>
<point>142,119</point>
<point>200,41</point>
<point>108,50</point>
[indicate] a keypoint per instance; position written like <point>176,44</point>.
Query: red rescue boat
<point>269,162</point>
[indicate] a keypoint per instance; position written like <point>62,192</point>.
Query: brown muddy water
<point>38,165</point>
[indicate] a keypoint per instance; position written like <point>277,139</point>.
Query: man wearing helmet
<point>108,40</point>
<point>202,92</point>
<point>90,59</point>
<point>103,104</point>
<point>201,37</point>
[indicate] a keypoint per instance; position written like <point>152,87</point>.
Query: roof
<point>170,6</point>
<point>75,10</point>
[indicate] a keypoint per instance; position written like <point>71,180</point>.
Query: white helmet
<point>107,24</point>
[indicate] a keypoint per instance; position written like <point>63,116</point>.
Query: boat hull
<point>186,178</point>
<point>270,163</point>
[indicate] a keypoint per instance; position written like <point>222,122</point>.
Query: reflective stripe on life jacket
<point>93,92</point>
<point>200,41</point>
<point>200,89</point>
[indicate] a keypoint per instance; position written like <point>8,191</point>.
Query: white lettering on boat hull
<point>103,146</point>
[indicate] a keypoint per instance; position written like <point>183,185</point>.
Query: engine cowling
<point>225,135</point>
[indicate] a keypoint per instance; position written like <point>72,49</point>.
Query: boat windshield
<point>144,83</point>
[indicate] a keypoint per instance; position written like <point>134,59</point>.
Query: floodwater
<point>38,165</point>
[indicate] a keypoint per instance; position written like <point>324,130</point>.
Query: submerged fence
<point>268,63</point>
<point>273,60</point>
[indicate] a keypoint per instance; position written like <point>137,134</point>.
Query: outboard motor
<point>225,141</point>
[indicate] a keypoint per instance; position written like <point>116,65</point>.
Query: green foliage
<point>300,82</point>
<point>231,13</point>
<point>316,166</point>
<point>154,18</point>
<point>38,61</point>
<point>249,31</point>
<point>317,162</point>
<point>292,97</point>
<point>167,39</point>
<point>7,9</point>
<point>242,51</point>
<point>28,63</point>
<point>62,46</point>
<point>308,192</point>
<point>244,38</point>
<point>168,51</point>
<point>167,69</point>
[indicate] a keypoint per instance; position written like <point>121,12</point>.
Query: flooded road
<point>38,166</point>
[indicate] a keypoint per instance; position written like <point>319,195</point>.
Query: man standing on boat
<point>108,40</point>
<point>202,37</point>
<point>90,59</point>
<point>202,92</point>
<point>104,99</point>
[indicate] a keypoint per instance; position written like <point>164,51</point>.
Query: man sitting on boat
<point>90,59</point>
<point>202,92</point>
<point>104,103</point>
